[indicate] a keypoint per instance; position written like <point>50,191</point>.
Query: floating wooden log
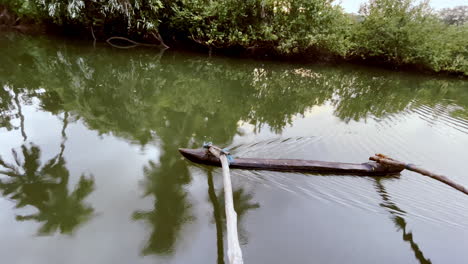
<point>203,156</point>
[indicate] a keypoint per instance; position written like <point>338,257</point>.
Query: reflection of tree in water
<point>11,107</point>
<point>7,108</point>
<point>20,114</point>
<point>45,187</point>
<point>171,209</point>
<point>397,217</point>
<point>123,93</point>
<point>165,182</point>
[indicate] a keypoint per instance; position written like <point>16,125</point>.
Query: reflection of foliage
<point>46,188</point>
<point>11,108</point>
<point>20,114</point>
<point>165,183</point>
<point>170,206</point>
<point>64,211</point>
<point>132,95</point>
<point>6,108</point>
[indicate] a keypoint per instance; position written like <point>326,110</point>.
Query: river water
<point>91,172</point>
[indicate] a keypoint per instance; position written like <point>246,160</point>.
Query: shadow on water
<point>397,218</point>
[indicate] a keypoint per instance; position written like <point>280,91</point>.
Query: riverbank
<point>391,34</point>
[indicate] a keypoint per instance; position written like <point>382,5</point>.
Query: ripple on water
<point>416,196</point>
<point>439,117</point>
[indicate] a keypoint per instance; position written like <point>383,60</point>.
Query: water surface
<point>91,173</point>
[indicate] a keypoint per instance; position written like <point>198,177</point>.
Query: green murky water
<point>91,173</point>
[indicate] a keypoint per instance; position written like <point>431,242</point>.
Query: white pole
<point>233,251</point>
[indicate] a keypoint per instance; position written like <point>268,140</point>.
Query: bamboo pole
<point>233,251</point>
<point>380,158</point>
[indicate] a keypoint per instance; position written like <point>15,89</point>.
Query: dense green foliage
<point>286,27</point>
<point>400,33</point>
<point>390,32</point>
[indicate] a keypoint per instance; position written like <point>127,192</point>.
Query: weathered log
<point>380,158</point>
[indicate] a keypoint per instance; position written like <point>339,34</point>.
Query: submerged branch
<point>135,43</point>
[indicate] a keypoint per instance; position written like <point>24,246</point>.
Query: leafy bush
<point>399,32</point>
<point>287,27</point>
<point>311,24</point>
<point>108,17</point>
<point>25,9</point>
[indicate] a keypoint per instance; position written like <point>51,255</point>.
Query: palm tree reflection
<point>171,209</point>
<point>45,188</point>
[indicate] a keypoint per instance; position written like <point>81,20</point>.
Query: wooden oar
<point>380,158</point>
